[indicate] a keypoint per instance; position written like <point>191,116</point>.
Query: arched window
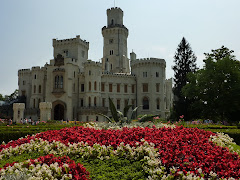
<point>34,89</point>
<point>158,103</point>
<point>89,86</point>
<point>89,101</point>
<point>58,82</point>
<point>95,85</point>
<point>95,101</point>
<point>145,103</point>
<point>39,100</point>
<point>40,89</point>
<point>34,103</point>
<point>112,22</point>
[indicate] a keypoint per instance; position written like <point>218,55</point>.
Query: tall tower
<point>115,43</point>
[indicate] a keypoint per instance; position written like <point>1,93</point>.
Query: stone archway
<point>59,112</point>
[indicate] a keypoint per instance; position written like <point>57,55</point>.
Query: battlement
<point>145,61</point>
<point>92,63</point>
<point>24,71</point>
<point>114,9</point>
<point>76,40</point>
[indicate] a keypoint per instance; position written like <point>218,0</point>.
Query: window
<point>133,88</point>
<point>39,100</point>
<point>157,87</point>
<point>144,74</point>
<point>89,73</point>
<point>95,101</point>
<point>89,101</point>
<point>23,82</point>
<point>87,119</point>
<point>58,82</point>
<point>111,66</point>
<point>83,53</point>
<point>82,87</point>
<point>34,103</point>
<point>102,87</point>
<point>23,93</point>
<point>110,87</point>
<point>81,100</point>
<point>110,41</point>
<point>125,102</point>
<point>157,74</point>
<point>35,76</point>
<point>145,87</point>
<point>95,85</point>
<point>158,103</point>
<point>89,86</point>
<point>111,52</point>
<point>103,102</point>
<point>34,89</point>
<point>125,88</point>
<point>112,22</point>
<point>96,118</point>
<point>118,103</point>
<point>66,53</point>
<point>74,74</point>
<point>118,87</point>
<point>40,89</point>
<point>145,103</point>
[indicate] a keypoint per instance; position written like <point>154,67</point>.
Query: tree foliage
<point>215,88</point>
<point>185,62</point>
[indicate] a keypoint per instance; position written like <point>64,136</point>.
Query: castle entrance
<point>59,112</point>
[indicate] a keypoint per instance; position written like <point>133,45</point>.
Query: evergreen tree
<point>185,62</point>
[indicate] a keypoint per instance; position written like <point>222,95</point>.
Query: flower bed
<point>165,152</point>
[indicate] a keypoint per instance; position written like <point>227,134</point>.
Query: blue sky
<point>156,27</point>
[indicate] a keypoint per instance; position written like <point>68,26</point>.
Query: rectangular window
<point>118,87</point>
<point>144,74</point>
<point>82,87</point>
<point>157,74</point>
<point>110,87</point>
<point>118,103</point>
<point>103,102</point>
<point>125,102</point>
<point>145,87</point>
<point>23,82</point>
<point>157,87</point>
<point>133,88</point>
<point>125,88</point>
<point>102,87</point>
<point>81,102</point>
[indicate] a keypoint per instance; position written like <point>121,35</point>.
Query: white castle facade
<point>78,88</point>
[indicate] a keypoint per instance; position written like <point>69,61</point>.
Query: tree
<point>216,87</point>
<point>185,62</point>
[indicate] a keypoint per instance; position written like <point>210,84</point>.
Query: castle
<point>78,88</point>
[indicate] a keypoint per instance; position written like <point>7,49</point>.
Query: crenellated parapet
<point>147,62</point>
<point>71,41</point>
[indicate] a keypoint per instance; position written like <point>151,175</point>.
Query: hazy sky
<point>156,27</point>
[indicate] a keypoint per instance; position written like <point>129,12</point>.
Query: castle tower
<point>115,43</point>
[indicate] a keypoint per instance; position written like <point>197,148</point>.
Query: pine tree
<point>185,62</point>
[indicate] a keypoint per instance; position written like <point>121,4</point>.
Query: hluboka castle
<point>78,88</point>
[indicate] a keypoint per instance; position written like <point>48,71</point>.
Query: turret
<point>115,43</point>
